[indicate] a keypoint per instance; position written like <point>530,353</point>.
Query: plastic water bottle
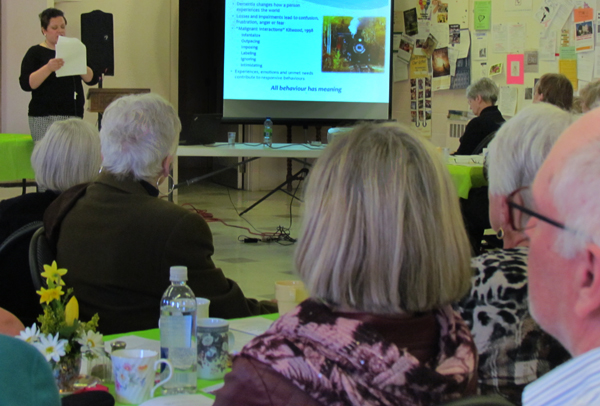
<point>178,333</point>
<point>268,133</point>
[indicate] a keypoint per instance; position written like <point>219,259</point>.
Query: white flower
<point>30,334</point>
<point>51,347</point>
<point>91,342</point>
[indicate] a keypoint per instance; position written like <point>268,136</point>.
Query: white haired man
<point>564,263</point>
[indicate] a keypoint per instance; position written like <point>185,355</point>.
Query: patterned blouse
<point>513,350</point>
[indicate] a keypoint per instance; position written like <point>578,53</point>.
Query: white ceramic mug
<point>289,294</point>
<point>134,372</point>
<point>214,341</point>
<point>202,306</point>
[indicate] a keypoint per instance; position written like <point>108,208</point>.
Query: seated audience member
<point>10,325</point>
<point>564,263</point>
<point>590,96</point>
<point>117,239</point>
<point>513,350</point>
<point>383,254</point>
<point>25,377</point>
<point>554,88</point>
<point>482,96</point>
<point>68,155</point>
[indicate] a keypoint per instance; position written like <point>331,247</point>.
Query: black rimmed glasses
<point>519,214</point>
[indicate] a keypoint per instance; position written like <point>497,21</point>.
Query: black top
<point>20,297</point>
<point>490,119</point>
<point>55,96</point>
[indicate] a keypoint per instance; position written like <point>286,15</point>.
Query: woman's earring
<point>100,171</point>
<point>500,233</point>
<point>170,180</point>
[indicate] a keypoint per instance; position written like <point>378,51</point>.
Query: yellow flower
<point>71,311</point>
<point>53,273</point>
<point>48,295</point>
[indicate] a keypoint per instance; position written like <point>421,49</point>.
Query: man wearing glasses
<point>563,226</point>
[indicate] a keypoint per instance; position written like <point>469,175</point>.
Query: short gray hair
<point>69,154</point>
<point>486,88</point>
<point>521,145</point>
<point>382,230</point>
<point>575,189</point>
<point>590,95</point>
<point>138,133</point>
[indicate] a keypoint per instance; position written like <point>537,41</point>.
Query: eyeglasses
<point>519,221</point>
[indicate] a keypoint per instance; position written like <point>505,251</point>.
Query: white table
<point>247,150</point>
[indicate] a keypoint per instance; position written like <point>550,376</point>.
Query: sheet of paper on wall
<point>531,62</point>
<point>546,12</point>
<point>440,32</point>
<point>406,47</point>
<point>73,53</point>
<point>400,70</point>
<point>483,15</point>
<point>465,44</point>
<point>583,18</point>
<point>398,18</point>
<point>452,58</point>
<point>585,66</point>
<point>565,37</point>
<point>515,74</point>
<point>454,34</point>
<point>500,39</point>
<point>419,66</point>
<point>567,64</point>
<point>495,69</point>
<point>462,78</point>
<point>480,46</point>
<point>597,62</point>
<point>429,45</point>
<point>562,15</point>
<point>441,69</point>
<point>517,38</point>
<point>396,40</point>
<point>507,100</point>
<point>484,72</point>
<point>547,46</point>
<point>440,12</point>
<point>518,5</point>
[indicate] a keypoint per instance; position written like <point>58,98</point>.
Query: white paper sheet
<point>500,38</point>
<point>400,70</point>
<point>517,5</point>
<point>507,102</point>
<point>465,44</point>
<point>480,46</point>
<point>547,46</point>
<point>252,325</point>
<point>440,32</point>
<point>597,62</point>
<point>517,38</point>
<point>73,53</point>
<point>585,66</point>
<point>452,57</point>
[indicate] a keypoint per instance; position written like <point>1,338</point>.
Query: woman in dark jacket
<point>383,254</point>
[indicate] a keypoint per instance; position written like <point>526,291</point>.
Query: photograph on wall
<point>441,13</point>
<point>441,63</point>
<point>352,44</point>
<point>411,24</point>
<point>531,62</point>
<point>454,30</point>
<point>429,45</point>
<point>495,69</point>
<point>405,50</point>
<point>420,105</point>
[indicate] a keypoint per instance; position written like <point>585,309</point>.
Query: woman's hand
<point>55,64</point>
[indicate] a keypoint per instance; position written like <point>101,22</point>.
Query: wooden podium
<point>101,98</point>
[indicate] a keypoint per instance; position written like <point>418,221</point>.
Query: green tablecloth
<point>15,157</point>
<point>154,334</point>
<point>466,177</point>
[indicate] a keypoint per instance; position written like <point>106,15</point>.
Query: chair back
<point>19,298</point>
<point>40,253</point>
<point>484,143</point>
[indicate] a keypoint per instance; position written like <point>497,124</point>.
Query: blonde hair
<point>382,231</point>
<point>69,154</point>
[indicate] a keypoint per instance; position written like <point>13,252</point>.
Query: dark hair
<point>49,14</point>
<point>557,90</point>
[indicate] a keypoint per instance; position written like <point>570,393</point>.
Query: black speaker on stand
<point>98,36</point>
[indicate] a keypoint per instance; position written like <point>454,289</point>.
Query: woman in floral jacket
<point>383,254</point>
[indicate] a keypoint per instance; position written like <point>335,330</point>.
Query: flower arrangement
<point>61,335</point>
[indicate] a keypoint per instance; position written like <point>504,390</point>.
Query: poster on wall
<point>420,105</point>
<point>584,29</point>
<point>483,14</point>
<point>410,21</point>
<point>462,77</point>
<point>441,69</point>
<point>424,9</point>
<point>515,71</point>
<point>531,62</point>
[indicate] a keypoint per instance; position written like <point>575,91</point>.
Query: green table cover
<point>466,177</point>
<point>15,157</point>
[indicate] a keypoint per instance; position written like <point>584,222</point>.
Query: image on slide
<point>353,44</point>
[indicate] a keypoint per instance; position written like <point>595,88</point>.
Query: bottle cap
<point>178,273</point>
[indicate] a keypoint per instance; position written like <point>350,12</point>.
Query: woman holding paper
<point>52,98</point>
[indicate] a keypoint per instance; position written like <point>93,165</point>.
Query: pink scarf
<point>340,361</point>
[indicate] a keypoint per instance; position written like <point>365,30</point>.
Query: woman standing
<point>52,98</point>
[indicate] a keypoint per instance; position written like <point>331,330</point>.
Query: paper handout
<point>73,53</point>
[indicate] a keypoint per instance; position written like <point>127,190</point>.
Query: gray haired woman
<point>513,350</point>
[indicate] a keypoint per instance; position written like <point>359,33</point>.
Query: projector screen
<point>307,60</point>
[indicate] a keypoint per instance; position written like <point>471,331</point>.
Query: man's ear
<point>166,165</point>
<point>587,279</point>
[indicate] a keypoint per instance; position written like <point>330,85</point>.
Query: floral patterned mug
<point>214,340</point>
<point>134,372</point>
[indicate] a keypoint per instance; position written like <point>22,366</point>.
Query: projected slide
<point>323,51</point>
